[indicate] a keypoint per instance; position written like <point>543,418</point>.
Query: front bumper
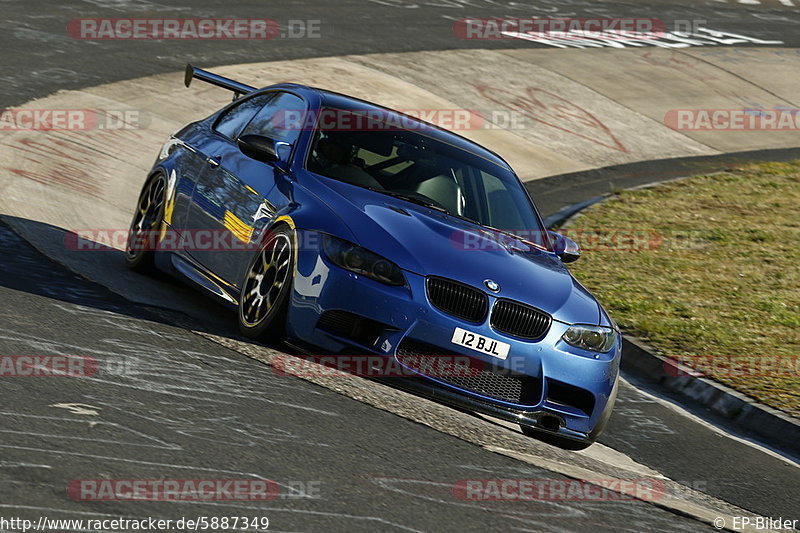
<point>403,314</point>
<point>541,419</point>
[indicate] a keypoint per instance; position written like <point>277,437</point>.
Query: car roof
<point>343,101</point>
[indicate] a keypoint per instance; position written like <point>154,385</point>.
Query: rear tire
<point>560,442</point>
<point>267,285</point>
<point>147,221</point>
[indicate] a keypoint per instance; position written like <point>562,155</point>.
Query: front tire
<point>147,220</point>
<point>267,284</point>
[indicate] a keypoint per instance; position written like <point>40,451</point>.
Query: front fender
<point>306,212</point>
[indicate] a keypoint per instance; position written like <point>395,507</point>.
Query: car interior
<point>408,163</point>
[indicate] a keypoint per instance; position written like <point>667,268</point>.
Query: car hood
<point>427,242</point>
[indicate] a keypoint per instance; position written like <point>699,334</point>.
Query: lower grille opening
<point>559,393</point>
<point>351,326</point>
<point>489,380</point>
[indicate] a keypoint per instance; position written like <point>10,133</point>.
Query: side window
<point>231,122</point>
<point>282,119</point>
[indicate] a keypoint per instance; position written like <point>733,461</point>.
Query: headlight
<point>361,261</point>
<point>594,338</point>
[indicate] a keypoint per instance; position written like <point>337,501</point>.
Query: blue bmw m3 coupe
<point>345,227</point>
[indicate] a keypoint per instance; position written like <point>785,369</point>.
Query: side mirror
<point>261,148</point>
<point>567,249</point>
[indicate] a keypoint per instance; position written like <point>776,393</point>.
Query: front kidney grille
<point>457,299</point>
<point>492,382</point>
<point>520,320</point>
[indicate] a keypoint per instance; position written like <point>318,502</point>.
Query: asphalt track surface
<point>186,408</point>
<point>183,406</point>
<point>40,58</point>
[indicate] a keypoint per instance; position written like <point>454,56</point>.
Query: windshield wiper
<point>412,199</point>
<point>420,201</point>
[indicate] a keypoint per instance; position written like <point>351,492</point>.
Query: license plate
<point>481,344</point>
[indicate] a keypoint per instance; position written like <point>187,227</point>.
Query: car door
<point>231,199</point>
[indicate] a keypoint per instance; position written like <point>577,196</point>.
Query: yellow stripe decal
<point>242,231</point>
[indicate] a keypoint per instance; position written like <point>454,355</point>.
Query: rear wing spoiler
<point>238,89</point>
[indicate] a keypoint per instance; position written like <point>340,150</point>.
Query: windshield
<point>423,170</point>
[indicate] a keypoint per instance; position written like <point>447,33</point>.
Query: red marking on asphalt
<point>554,111</point>
<point>61,163</point>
